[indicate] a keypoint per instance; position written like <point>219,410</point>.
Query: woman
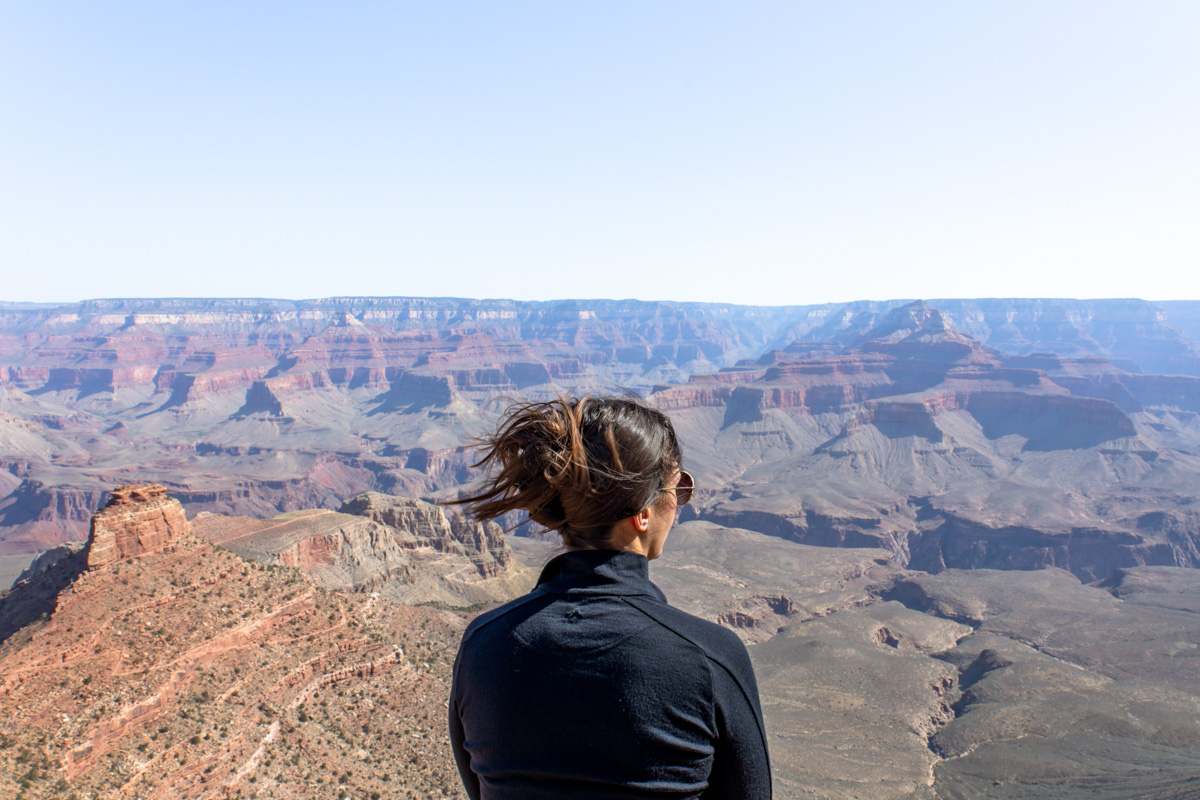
<point>591,686</point>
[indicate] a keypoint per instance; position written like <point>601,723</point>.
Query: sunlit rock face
<point>138,519</point>
<point>421,524</point>
<point>189,671</point>
<point>917,439</point>
<point>405,549</point>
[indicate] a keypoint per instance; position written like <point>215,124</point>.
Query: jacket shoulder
<point>719,644</point>
<point>489,617</point>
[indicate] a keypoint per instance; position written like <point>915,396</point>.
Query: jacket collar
<point>599,572</point>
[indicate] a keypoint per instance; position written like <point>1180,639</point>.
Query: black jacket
<point>591,686</point>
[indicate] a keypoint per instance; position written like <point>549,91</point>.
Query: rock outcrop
<point>408,550</point>
<point>192,672</point>
<point>421,524</point>
<point>137,520</point>
<point>338,551</point>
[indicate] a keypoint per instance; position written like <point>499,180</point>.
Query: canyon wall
<point>829,423</point>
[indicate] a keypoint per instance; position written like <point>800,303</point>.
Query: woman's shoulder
<point>718,643</point>
<point>499,613</point>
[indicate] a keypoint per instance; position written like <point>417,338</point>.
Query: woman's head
<point>578,465</point>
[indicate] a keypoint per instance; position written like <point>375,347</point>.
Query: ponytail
<point>576,465</point>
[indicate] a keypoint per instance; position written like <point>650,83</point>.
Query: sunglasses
<point>682,490</point>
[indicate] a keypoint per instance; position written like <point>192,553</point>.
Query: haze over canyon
<point>959,536</point>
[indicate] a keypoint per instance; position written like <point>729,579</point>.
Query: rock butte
<point>137,519</point>
<point>187,671</point>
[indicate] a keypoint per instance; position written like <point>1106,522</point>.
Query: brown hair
<point>577,465</point>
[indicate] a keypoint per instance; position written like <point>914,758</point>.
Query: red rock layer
<point>138,519</point>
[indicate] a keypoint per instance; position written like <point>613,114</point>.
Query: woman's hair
<point>577,465</point>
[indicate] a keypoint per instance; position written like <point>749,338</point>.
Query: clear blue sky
<point>760,152</point>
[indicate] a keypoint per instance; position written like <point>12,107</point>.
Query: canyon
<point>958,536</point>
<point>929,429</point>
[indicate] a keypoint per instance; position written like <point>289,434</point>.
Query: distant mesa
<point>918,439</point>
<point>913,366</point>
<point>915,319</point>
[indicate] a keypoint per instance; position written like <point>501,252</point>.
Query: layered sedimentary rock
<point>944,432</point>
<point>1136,334</point>
<point>191,672</point>
<point>339,551</point>
<point>138,519</point>
<point>921,441</point>
<point>421,524</point>
<point>178,345</point>
<point>256,407</point>
<point>407,549</point>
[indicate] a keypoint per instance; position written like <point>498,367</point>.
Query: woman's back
<point>606,692</point>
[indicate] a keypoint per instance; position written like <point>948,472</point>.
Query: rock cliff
<point>406,549</point>
<point>421,524</point>
<point>922,441</point>
<point>138,519</point>
<point>188,671</point>
<point>337,551</point>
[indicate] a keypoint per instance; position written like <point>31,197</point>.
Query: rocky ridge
<point>426,525</point>
<point>404,549</point>
<point>182,669</point>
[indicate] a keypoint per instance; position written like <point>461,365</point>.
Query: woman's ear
<point>641,520</point>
